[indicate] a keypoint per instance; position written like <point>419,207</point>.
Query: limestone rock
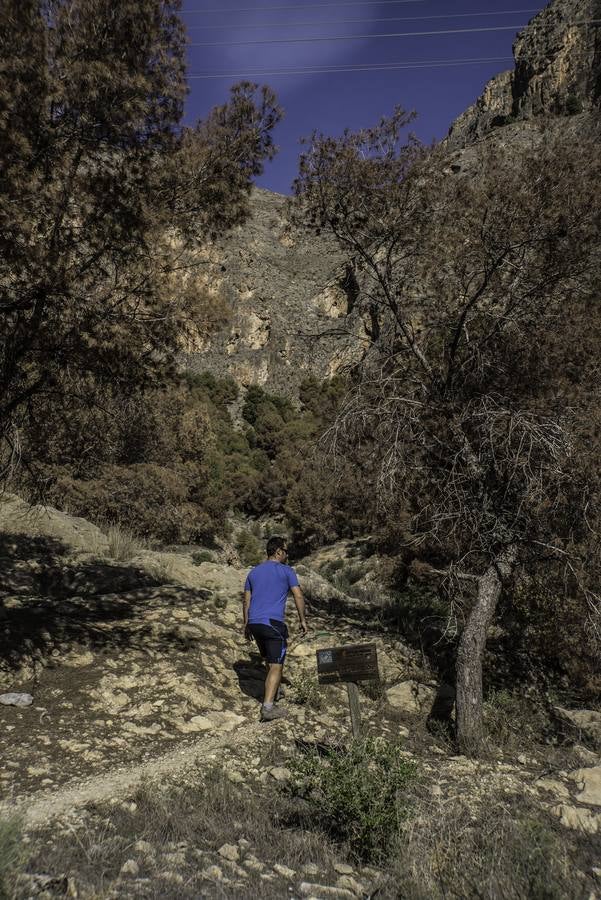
<point>311,869</point>
<point>578,818</point>
<point>273,283</point>
<point>230,852</point>
<point>409,696</point>
<point>557,66</point>
<point>251,862</point>
<point>324,890</point>
<point>130,867</point>
<point>557,788</point>
<point>343,868</point>
<point>16,699</point>
<point>212,873</point>
<point>581,721</point>
<point>284,871</point>
<point>347,882</point>
<point>144,847</point>
<point>590,782</point>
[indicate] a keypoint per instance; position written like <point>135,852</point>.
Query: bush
<point>123,544</point>
<point>151,500</point>
<point>306,691</point>
<point>200,556</point>
<point>357,794</point>
<point>573,105</point>
<point>249,548</point>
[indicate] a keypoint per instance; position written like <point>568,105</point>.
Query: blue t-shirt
<point>269,584</point>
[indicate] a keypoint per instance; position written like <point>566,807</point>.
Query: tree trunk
<point>471,651</point>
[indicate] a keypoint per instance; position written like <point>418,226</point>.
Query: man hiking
<point>264,610</point>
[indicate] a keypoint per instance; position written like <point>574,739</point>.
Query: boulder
<point>409,696</point>
<point>589,781</point>
<point>578,818</point>
<point>230,852</point>
<point>585,722</point>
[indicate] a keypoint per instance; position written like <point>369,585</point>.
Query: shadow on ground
<point>49,605</point>
<point>251,676</point>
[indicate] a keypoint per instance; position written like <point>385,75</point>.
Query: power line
<point>301,6</point>
<point>357,67</point>
<point>392,34</point>
<point>501,12</point>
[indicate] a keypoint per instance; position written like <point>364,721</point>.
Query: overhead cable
<point>391,34</point>
<point>501,12</point>
<point>301,6</point>
<point>356,67</point>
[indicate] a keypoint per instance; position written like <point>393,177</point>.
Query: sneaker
<point>270,715</point>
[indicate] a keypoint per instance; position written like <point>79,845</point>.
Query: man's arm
<point>299,602</point>
<point>245,608</point>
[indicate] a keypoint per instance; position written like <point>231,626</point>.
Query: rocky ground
<point>139,675</point>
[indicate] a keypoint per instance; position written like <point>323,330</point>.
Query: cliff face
<point>557,73</point>
<point>278,288</point>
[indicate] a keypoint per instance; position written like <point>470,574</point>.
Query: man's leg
<point>272,682</point>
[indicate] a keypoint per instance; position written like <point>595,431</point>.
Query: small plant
<point>161,570</point>
<point>573,105</point>
<point>201,556</point>
<point>357,794</point>
<point>512,720</point>
<point>219,601</point>
<point>249,548</point>
<point>11,854</point>
<point>122,543</point>
<point>306,691</point>
<point>375,690</point>
<point>332,566</point>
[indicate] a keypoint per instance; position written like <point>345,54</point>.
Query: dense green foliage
<point>357,794</point>
<point>101,190</point>
<point>171,464</point>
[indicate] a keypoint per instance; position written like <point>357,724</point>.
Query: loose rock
<point>229,851</point>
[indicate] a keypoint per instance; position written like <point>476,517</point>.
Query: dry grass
<point>184,827</point>
<point>123,544</point>
<point>501,849</point>
<point>485,846</point>
<point>11,855</point>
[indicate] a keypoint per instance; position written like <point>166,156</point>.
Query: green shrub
<point>200,556</point>
<point>306,691</point>
<point>332,566</point>
<point>357,794</point>
<point>249,548</point>
<point>573,105</point>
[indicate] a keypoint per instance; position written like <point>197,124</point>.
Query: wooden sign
<point>356,662</point>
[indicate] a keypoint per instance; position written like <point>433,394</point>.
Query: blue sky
<point>332,101</point>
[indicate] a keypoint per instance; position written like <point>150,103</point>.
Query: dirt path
<point>39,808</point>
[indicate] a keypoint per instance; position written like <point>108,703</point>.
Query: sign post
<point>350,664</point>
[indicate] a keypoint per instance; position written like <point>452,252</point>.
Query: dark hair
<point>275,543</point>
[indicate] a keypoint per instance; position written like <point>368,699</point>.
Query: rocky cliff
<point>280,286</point>
<point>557,73</point>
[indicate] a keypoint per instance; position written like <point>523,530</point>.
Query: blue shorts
<point>272,640</point>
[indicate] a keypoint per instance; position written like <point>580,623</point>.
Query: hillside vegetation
<point>441,493</point>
